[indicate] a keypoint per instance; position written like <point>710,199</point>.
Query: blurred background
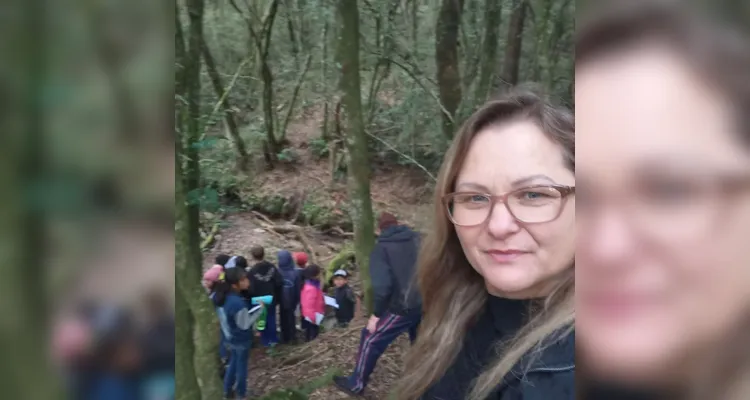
<point>87,185</point>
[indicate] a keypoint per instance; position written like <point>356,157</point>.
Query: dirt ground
<point>294,366</point>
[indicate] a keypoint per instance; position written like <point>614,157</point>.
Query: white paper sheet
<point>330,301</point>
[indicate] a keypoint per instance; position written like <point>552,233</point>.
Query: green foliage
<point>288,155</point>
<point>319,148</point>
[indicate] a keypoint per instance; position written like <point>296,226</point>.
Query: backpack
<point>289,289</point>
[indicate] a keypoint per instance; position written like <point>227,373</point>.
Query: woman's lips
<point>505,256</point>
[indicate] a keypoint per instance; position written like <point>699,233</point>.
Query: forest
<point>298,121</point>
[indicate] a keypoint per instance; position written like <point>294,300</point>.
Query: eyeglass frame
<point>565,192</point>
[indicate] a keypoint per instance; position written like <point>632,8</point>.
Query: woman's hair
<point>222,287</point>
<point>312,271</point>
<point>386,220</point>
<point>454,294</point>
<point>717,53</point>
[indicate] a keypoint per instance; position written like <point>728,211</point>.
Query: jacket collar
<point>558,353</point>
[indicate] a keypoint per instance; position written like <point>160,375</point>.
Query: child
<point>211,281</point>
<point>300,258</point>
<point>238,328</point>
<point>265,281</point>
<point>290,295</point>
<point>221,260</point>
<point>345,298</point>
<point>312,302</point>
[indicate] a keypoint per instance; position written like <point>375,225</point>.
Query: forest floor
<point>304,371</point>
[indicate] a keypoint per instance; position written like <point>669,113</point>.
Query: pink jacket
<point>311,301</point>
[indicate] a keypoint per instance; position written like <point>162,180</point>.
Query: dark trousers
<point>268,336</point>
<point>311,331</point>
<point>287,322</point>
<point>372,345</point>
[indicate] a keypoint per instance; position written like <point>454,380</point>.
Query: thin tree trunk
<point>185,378</point>
<point>193,123</point>
<point>514,43</point>
<point>188,268</point>
<point>290,28</point>
<point>356,141</point>
<point>446,58</point>
<point>243,159</point>
<point>489,63</point>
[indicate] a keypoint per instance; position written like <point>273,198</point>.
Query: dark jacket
<point>549,376</point>
<point>393,264</point>
<point>265,280</point>
<point>347,301</point>
<point>291,280</point>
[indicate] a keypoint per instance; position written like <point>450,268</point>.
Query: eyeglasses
<point>529,205</point>
<point>667,210</point>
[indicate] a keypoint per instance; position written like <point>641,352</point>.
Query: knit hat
<point>300,258</point>
<point>212,275</point>
<point>386,220</point>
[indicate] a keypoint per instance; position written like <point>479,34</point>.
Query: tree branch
<point>413,161</point>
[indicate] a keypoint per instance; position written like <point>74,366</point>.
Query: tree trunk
<point>290,28</point>
<point>446,58</point>
<point>185,378</point>
<point>243,160</point>
<point>189,259</point>
<point>193,124</point>
<point>489,62</point>
<point>356,140</point>
<point>514,42</point>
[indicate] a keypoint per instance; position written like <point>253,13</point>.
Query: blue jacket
<point>291,281</point>
<point>393,263</point>
<point>238,322</point>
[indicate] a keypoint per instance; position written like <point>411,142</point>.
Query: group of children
<point>248,296</point>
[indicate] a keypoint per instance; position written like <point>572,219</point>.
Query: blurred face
<point>663,261</point>
<point>517,260</point>
<point>244,283</point>
<point>339,281</point>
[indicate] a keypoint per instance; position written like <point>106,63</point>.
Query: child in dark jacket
<point>237,326</point>
<point>290,295</point>
<point>265,280</point>
<point>347,301</point>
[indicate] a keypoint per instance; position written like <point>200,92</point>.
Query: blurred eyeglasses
<point>668,209</point>
<point>529,205</point>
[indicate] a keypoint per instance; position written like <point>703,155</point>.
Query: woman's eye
<point>477,198</point>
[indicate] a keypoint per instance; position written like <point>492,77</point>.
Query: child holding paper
<point>345,298</point>
<point>238,327</point>
<point>312,302</point>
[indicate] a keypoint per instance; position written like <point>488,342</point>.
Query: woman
<point>663,262</point>
<point>496,273</point>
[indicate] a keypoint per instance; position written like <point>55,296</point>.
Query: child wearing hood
<point>290,295</point>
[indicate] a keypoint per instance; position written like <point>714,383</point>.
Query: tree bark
<point>446,59</point>
<point>514,43</point>
<point>193,123</point>
<point>356,140</point>
<point>189,259</point>
<point>489,62</point>
<point>185,378</point>
<point>243,160</point>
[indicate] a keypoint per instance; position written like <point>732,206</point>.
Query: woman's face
<point>663,257</point>
<point>503,158</point>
